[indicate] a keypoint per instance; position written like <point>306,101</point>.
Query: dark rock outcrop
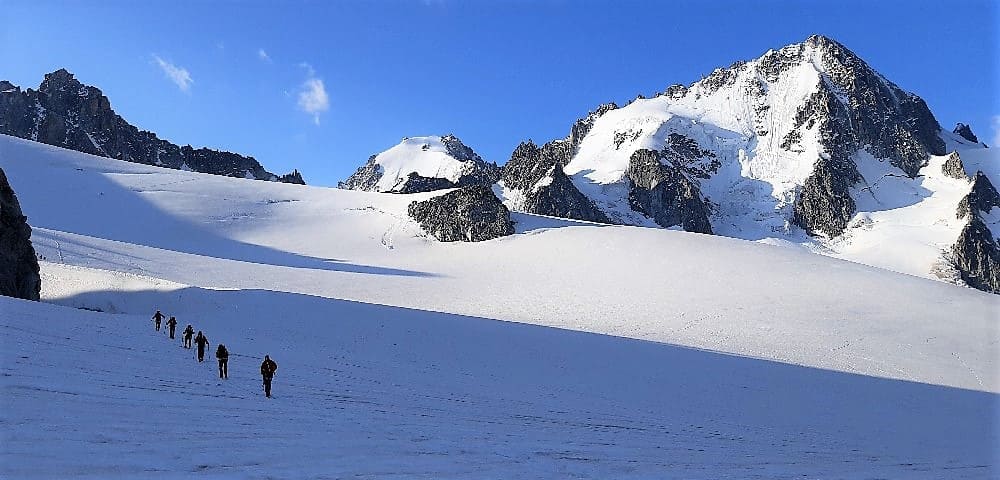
<point>294,177</point>
<point>981,198</point>
<point>529,163</point>
<point>415,184</point>
<point>976,253</point>
<point>18,264</point>
<point>364,178</point>
<point>887,121</point>
<point>538,172</point>
<point>468,214</point>
<point>664,193</point>
<point>954,168</point>
<point>965,132</point>
<point>560,198</point>
<point>65,113</point>
<point>977,256</point>
<point>824,204</point>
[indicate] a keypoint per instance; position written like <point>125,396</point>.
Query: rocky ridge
<point>66,113</point>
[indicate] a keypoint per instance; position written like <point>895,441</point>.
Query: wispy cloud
<point>996,132</point>
<point>261,54</point>
<point>312,94</point>
<point>179,75</point>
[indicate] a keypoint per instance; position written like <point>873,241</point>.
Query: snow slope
<point>765,362</point>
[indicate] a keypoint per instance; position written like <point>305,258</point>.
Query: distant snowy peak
<point>66,113</point>
<point>422,164</point>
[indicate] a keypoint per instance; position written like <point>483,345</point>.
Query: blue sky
<point>343,80</point>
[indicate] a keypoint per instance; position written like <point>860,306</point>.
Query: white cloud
<point>179,75</point>
<point>312,94</point>
<point>263,55</point>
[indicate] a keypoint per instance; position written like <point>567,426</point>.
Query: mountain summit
<point>66,113</point>
<point>422,164</point>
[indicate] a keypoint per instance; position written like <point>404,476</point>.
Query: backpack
<point>221,352</point>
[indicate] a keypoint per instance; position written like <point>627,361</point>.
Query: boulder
<point>468,214</point>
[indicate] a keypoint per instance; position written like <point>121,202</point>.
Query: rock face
<point>976,253</point>
<point>664,193</point>
<point>558,197</point>
<point>18,264</point>
<point>65,113</point>
<point>965,132</point>
<point>977,256</point>
<point>529,163</point>
<point>538,172</point>
<point>824,203</point>
<point>954,168</point>
<point>468,214</point>
<point>423,164</point>
<point>364,178</point>
<point>982,198</point>
<point>863,109</point>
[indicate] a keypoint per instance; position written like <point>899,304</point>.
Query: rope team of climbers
<point>267,367</point>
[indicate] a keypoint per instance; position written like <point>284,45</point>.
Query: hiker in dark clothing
<point>267,369</point>
<point>157,317</point>
<point>223,355</point>
<point>202,342</point>
<point>188,333</point>
<point>172,324</point>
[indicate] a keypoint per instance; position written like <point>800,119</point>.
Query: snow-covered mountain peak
<point>786,148</point>
<point>422,164</point>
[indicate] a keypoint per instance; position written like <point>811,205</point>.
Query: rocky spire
<point>965,132</point>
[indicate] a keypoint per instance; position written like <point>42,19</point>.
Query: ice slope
<point>427,156</point>
<point>766,362</point>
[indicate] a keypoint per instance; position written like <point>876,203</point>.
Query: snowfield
<point>675,354</point>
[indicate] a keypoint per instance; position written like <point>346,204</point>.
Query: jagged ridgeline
<point>66,113</point>
<point>806,144</point>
